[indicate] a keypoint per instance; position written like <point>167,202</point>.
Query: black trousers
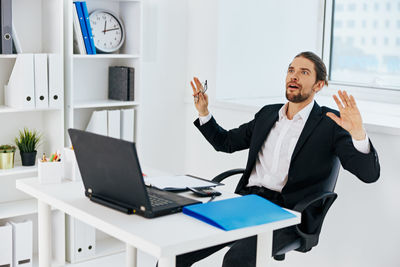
<point>243,252</point>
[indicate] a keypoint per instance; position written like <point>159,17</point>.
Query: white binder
<point>71,169</point>
<point>20,92</point>
<point>114,123</point>
<point>41,82</point>
<point>127,124</point>
<point>79,44</point>
<point>98,123</point>
<point>81,241</point>
<point>22,243</point>
<point>56,99</point>
<point>6,245</point>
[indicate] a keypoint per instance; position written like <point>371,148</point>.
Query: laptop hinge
<point>111,203</point>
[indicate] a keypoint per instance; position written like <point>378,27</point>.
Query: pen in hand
<point>212,198</point>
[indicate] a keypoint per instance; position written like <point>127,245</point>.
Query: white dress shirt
<point>273,160</point>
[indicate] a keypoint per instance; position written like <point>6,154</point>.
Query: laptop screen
<point>109,167</point>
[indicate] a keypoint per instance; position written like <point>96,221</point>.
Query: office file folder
<point>88,27</point>
<point>15,40</point>
<point>98,123</point>
<point>6,26</point>
<point>19,93</point>
<point>114,123</point>
<point>56,99</point>
<point>71,170</point>
<point>79,44</point>
<point>6,244</point>
<point>82,22</point>
<point>22,243</point>
<point>41,84</point>
<point>127,124</point>
<point>81,240</point>
<point>240,212</point>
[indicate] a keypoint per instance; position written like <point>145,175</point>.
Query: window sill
<point>378,117</point>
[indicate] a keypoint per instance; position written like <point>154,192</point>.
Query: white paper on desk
<point>177,182</point>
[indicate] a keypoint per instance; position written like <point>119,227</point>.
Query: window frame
<point>374,92</point>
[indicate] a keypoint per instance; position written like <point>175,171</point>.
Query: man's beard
<point>297,98</point>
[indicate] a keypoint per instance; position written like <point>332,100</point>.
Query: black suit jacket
<point>320,142</point>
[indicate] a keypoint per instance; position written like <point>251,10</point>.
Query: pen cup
<point>50,172</point>
<point>71,170</point>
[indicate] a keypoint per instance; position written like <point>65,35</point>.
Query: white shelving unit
<point>45,26</point>
<point>86,76</point>
<point>39,26</point>
<point>86,82</point>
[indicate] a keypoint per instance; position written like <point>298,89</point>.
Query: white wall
<point>162,127</point>
<point>361,228</point>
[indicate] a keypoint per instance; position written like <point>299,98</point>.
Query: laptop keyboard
<point>157,201</point>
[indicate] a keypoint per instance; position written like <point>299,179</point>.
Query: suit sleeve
<point>365,166</point>
<point>226,141</point>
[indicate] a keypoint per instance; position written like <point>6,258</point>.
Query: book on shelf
<point>88,27</point>
<point>79,45</point>
<point>83,37</point>
<point>121,82</point>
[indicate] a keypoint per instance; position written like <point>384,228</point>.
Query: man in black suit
<point>292,148</point>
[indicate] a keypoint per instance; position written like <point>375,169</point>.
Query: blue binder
<point>86,38</point>
<point>88,27</point>
<point>240,212</point>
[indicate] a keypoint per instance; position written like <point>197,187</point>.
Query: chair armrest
<point>226,174</point>
<point>327,199</point>
<point>313,198</point>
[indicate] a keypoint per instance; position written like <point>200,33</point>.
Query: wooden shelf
<point>106,56</point>
<point>104,103</point>
<point>31,170</point>
<point>18,208</point>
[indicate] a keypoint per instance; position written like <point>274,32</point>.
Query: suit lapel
<point>268,121</point>
<point>312,122</point>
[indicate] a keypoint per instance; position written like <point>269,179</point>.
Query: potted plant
<point>27,143</point>
<point>7,156</point>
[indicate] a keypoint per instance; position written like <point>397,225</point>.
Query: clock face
<point>107,30</point>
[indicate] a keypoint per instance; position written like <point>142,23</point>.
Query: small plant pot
<point>28,158</point>
<point>7,160</point>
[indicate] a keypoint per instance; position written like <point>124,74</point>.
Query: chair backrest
<point>333,176</point>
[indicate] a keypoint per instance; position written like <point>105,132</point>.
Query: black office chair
<point>321,201</point>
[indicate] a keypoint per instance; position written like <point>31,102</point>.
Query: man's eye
<point>290,70</point>
<point>304,72</point>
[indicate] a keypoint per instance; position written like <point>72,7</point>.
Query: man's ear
<point>318,86</point>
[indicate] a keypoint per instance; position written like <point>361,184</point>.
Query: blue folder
<point>88,27</point>
<point>82,22</point>
<point>240,212</point>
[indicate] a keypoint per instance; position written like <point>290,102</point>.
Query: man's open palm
<point>350,117</point>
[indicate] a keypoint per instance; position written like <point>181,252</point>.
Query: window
<point>374,61</point>
<point>257,40</point>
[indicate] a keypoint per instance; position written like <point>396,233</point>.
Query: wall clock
<point>108,31</point>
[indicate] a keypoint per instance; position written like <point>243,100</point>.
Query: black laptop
<point>112,177</point>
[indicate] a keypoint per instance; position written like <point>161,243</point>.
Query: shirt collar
<point>304,113</point>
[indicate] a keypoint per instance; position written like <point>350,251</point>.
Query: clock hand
<point>112,29</point>
<point>105,26</point>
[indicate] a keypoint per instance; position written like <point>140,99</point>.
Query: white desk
<point>163,237</point>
